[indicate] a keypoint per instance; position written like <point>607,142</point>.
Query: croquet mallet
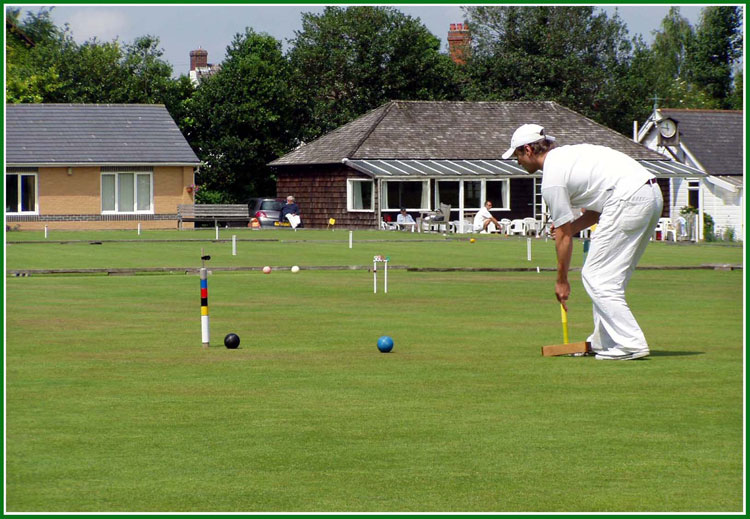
<point>566,348</point>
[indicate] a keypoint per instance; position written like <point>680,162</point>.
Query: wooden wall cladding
<point>320,192</point>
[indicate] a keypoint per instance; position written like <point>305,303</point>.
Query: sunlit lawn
<point>114,406</point>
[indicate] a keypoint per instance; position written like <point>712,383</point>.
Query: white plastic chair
<point>531,226</point>
<point>660,233</point>
<point>388,226</point>
<point>670,228</point>
<point>517,226</point>
<point>505,225</point>
<point>463,226</point>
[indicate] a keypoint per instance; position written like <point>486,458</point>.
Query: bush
<point>729,234</point>
<point>688,210</point>
<point>708,228</point>
<point>208,196</point>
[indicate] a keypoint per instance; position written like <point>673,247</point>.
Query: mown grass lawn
<point>125,249</point>
<point>112,404</point>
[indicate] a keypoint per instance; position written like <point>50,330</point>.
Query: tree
<point>698,68</point>
<point>735,100</point>
<point>572,55</point>
<point>148,76</point>
<point>670,66</point>
<point>26,82</point>
<point>178,98</point>
<point>671,43</point>
<point>241,118</point>
<point>715,51</point>
<point>347,61</point>
<point>90,72</point>
<point>109,72</point>
<point>53,68</point>
<point>631,96</point>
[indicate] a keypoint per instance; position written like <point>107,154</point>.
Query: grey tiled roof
<point>339,144</point>
<point>714,137</point>
<point>445,130</point>
<point>68,134</point>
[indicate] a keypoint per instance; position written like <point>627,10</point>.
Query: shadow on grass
<point>675,353</point>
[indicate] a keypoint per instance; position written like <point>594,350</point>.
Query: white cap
<point>526,134</point>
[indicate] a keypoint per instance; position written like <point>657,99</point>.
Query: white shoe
<point>626,356</point>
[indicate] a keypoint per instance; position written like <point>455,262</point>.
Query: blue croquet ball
<point>385,344</point>
<point>232,341</point>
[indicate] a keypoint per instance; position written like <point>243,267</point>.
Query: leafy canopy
<point>241,118</point>
<point>347,61</point>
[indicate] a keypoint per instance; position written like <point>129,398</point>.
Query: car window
<point>271,205</point>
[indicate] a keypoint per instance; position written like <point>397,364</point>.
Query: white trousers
<point>623,231</point>
<point>490,227</point>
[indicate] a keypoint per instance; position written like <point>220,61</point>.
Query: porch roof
<point>395,168</point>
<point>731,183</point>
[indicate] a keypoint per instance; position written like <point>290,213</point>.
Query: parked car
<point>266,210</point>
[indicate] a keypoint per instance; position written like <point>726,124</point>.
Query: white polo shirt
<point>585,176</point>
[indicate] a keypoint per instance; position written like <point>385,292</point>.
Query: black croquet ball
<point>232,341</point>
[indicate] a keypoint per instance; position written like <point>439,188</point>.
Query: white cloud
<point>105,24</point>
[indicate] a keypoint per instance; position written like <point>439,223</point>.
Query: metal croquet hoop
<point>375,261</point>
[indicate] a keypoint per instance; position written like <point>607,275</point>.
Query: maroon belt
<point>651,181</point>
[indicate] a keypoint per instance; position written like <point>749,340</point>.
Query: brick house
<point>419,154</point>
<point>78,166</point>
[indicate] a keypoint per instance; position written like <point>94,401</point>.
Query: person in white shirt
<point>405,220</point>
<point>624,200</point>
<point>484,221</point>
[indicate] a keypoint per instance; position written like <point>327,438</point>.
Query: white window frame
<point>462,193</point>
<point>505,204</point>
<point>350,195</point>
<point>36,191</point>
<point>136,173</point>
<point>694,186</point>
<point>506,194</point>
<point>384,189</point>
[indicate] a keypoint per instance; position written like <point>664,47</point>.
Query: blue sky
<point>182,28</point>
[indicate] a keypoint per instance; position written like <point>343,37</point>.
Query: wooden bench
<point>212,213</point>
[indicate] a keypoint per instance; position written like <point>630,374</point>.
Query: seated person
<point>290,209</point>
<point>405,220</point>
<point>484,221</point>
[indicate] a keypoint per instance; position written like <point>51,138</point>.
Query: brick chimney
<point>459,42</point>
<point>198,59</point>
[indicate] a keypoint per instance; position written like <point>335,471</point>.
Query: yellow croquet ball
<point>472,240</point>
